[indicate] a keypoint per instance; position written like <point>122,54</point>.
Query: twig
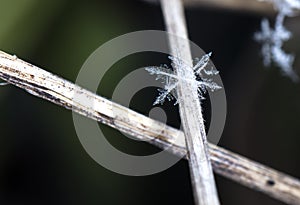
<point>203,182</point>
<point>239,5</point>
<point>60,91</point>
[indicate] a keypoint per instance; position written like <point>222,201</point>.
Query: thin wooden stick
<point>239,5</point>
<point>50,87</point>
<point>203,182</point>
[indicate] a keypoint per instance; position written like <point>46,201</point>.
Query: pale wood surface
<point>202,178</point>
<point>55,89</point>
<point>252,6</point>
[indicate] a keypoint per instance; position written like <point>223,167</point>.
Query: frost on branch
<point>272,39</point>
<point>201,78</point>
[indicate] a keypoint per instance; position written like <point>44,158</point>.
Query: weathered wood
<point>253,6</point>
<point>55,89</point>
<point>203,182</point>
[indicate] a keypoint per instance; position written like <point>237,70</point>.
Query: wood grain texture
<point>202,178</point>
<point>55,89</point>
<point>251,6</point>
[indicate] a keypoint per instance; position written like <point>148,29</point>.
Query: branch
<point>50,87</point>
<point>239,5</point>
<point>203,182</point>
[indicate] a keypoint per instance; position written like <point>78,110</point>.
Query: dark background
<point>41,158</point>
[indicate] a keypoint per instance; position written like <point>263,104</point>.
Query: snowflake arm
<point>201,64</point>
<point>166,93</point>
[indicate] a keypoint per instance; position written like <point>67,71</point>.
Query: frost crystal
<point>201,78</point>
<point>272,39</point>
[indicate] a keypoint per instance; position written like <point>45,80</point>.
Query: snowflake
<point>201,79</point>
<point>272,39</point>
<point>286,7</point>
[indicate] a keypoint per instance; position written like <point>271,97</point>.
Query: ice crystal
<point>286,7</point>
<point>201,78</point>
<point>272,39</point>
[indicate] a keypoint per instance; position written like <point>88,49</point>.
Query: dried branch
<point>238,5</point>
<point>203,182</point>
<point>60,91</point>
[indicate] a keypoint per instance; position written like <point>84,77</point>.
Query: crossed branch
<point>57,90</point>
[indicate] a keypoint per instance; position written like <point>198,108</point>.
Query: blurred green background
<point>41,158</point>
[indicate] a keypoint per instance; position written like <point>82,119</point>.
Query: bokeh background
<point>41,158</point>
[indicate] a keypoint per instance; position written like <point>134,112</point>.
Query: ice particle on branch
<point>202,78</point>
